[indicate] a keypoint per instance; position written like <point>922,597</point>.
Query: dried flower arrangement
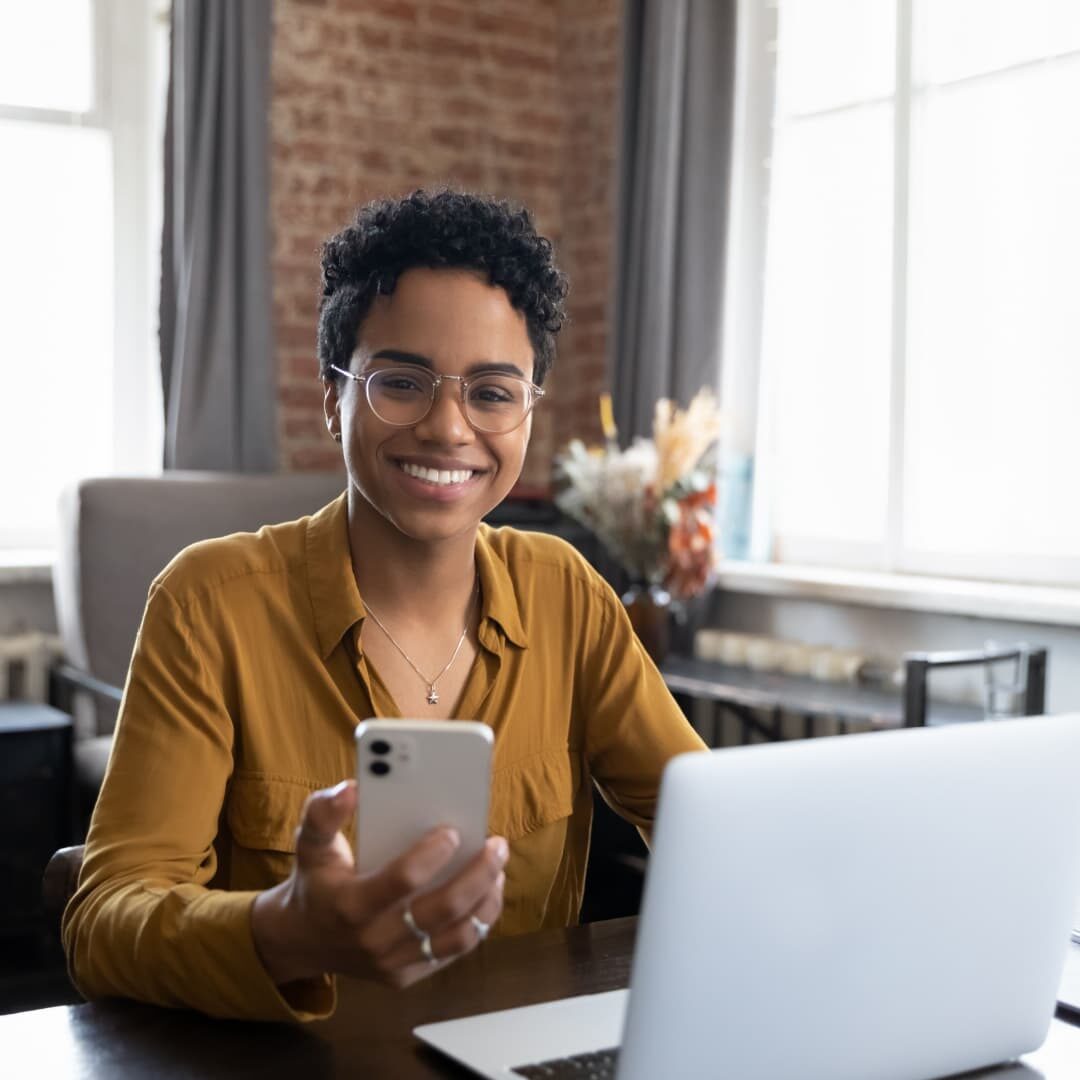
<point>652,504</point>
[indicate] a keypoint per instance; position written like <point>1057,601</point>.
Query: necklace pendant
<point>432,696</point>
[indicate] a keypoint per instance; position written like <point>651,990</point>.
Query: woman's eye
<point>492,394</point>
<point>400,384</point>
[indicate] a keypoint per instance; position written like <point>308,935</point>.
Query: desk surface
<point>370,1035</point>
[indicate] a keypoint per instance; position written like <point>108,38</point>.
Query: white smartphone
<point>412,777</point>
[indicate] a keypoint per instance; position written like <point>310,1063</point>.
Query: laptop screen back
<point>888,905</point>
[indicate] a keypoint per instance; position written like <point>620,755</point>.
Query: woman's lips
<point>441,485</point>
<point>440,477</point>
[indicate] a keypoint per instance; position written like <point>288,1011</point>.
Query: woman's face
<point>453,323</point>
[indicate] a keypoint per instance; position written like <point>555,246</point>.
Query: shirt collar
<point>335,599</point>
<point>500,604</point>
<point>336,602</point>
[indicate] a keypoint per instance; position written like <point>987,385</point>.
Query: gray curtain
<point>674,162</point>
<point>217,355</point>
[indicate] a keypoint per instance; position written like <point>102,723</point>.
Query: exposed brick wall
<point>378,97</point>
<point>589,68</point>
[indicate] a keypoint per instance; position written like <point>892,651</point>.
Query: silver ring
<point>426,951</point>
<point>410,922</point>
<point>482,928</point>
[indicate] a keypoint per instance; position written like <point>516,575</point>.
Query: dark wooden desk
<point>370,1036</point>
<point>758,698</point>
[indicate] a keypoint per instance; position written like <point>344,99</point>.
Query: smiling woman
<point>401,431</point>
<point>257,658</point>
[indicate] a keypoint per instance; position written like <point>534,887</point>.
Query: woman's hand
<point>326,918</point>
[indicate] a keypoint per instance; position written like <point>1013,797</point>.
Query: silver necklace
<point>432,693</point>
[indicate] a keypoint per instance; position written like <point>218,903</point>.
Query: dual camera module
<point>380,748</point>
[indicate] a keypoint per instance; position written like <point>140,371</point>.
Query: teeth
<point>438,476</point>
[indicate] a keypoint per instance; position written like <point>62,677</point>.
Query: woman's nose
<point>446,421</point>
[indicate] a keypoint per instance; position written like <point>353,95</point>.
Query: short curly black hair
<point>438,229</point>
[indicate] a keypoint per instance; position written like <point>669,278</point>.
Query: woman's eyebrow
<point>402,357</point>
<point>494,367</point>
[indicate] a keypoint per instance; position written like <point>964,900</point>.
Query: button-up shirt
<point>246,683</point>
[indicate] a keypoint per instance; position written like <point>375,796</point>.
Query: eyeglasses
<point>492,403</point>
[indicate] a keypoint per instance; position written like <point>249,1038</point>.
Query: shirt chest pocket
<point>531,793</point>
<point>532,805</point>
<point>263,814</point>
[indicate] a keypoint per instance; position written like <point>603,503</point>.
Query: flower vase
<point>649,608</point>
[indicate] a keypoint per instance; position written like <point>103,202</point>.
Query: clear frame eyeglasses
<point>403,396</point>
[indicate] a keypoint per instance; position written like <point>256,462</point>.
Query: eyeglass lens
<point>492,402</point>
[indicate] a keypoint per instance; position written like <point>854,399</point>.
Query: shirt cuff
<point>262,999</point>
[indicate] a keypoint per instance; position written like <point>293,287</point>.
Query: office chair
<point>116,534</point>
<point>1028,685</point>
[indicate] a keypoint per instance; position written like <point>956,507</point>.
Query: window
<point>81,111</point>
<point>920,334</point>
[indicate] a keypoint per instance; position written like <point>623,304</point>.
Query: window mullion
<point>100,114</point>
<point>742,371</point>
<point>130,33</point>
<point>897,380</point>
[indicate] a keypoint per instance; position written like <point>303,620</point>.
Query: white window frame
<point>744,301</point>
<point>127,102</point>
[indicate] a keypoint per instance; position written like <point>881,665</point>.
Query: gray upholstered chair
<point>115,536</point>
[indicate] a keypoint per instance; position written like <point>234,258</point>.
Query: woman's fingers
<point>319,841</point>
<point>386,931</point>
<point>442,915</point>
<point>456,917</point>
<point>359,923</point>
<point>407,962</point>
<point>451,902</point>
<point>376,895</point>
<point>487,913</point>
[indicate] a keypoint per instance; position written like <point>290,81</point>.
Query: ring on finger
<point>482,928</point>
<point>410,922</point>
<point>426,950</point>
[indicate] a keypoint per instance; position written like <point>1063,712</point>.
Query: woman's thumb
<point>325,814</point>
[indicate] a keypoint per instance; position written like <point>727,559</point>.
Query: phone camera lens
<point>379,768</point>
<point>379,746</point>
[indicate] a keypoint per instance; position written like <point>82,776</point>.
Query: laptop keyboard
<point>596,1065</point>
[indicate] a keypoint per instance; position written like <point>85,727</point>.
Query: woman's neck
<point>401,575</point>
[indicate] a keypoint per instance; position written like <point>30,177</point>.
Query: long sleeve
<point>143,922</point>
<point>634,725</point>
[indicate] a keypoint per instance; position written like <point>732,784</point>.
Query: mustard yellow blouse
<point>245,685</point>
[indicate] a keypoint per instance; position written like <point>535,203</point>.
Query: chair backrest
<point>117,534</point>
<point>59,881</point>
<point>1026,688</point>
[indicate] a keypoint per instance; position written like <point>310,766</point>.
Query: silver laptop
<point>889,905</point>
<point>1069,991</point>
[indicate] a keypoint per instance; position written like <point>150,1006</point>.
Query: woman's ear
<point>332,408</point>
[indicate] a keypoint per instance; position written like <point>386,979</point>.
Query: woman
<point>217,872</point>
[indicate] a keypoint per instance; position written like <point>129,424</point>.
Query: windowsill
<point>26,566</point>
<point>1057,605</point>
